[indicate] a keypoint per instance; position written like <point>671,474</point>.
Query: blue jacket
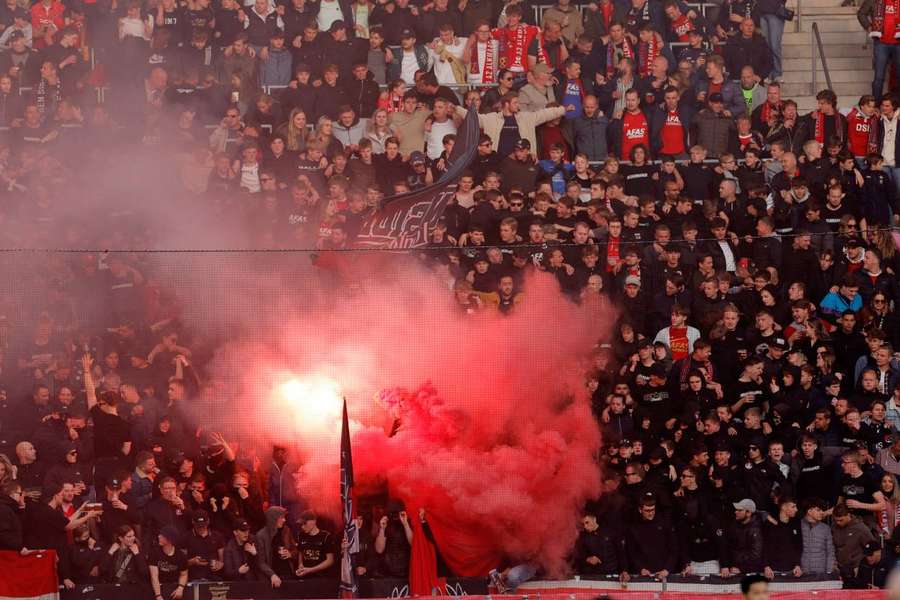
<point>276,69</point>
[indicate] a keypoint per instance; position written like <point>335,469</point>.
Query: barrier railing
<point>817,48</point>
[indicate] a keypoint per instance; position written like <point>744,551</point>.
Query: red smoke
<point>497,439</point>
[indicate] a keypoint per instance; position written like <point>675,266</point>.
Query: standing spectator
<point>850,538</point>
<point>569,18</point>
<point>168,564</point>
<point>671,125</point>
<point>748,49</point>
<point>409,58</point>
<point>880,19</point>
<point>717,82</point>
<point>511,124</point>
<point>241,558</point>
<point>316,547</point>
<point>783,540</point>
<point>589,130</point>
<point>276,547</point>
<point>650,542</point>
<point>826,122</point>
<point>713,126</point>
<point>818,556</point>
<point>744,540</point>
<point>204,548</point>
<point>600,550</point>
<point>631,128</point>
<point>12,505</point>
<point>538,92</point>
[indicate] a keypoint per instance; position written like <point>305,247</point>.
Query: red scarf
<point>886,526</point>
<point>767,110</point>
<point>647,53</point>
<point>611,62</point>
<point>543,57</point>
<point>515,46</point>
<point>612,253</point>
<point>487,74</point>
<point>682,27</point>
<point>819,118</point>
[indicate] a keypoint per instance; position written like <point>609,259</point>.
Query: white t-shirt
<point>329,12</point>
<point>434,139</point>
<point>442,69</point>
<point>408,67</point>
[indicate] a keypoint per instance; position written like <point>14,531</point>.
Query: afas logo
<point>638,132</point>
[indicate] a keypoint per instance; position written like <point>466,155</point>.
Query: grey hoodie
<point>264,540</point>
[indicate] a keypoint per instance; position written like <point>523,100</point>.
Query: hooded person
<point>12,508</point>
<point>276,548</point>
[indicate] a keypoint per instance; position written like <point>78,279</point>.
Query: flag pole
<point>350,545</point>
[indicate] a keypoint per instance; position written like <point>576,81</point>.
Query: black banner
<point>404,221</point>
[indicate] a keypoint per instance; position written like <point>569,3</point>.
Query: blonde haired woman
<point>378,130</point>
<point>295,131</point>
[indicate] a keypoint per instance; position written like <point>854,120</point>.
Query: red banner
<point>32,576</point>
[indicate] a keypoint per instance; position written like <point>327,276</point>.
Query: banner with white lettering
<point>405,221</point>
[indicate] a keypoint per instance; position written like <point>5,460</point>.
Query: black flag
<point>406,220</point>
<point>350,547</point>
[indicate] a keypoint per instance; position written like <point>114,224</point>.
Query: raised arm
<point>90,391</point>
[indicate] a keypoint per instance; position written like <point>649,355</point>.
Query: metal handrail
<point>816,44</point>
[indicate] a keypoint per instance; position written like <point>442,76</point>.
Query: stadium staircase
<point>847,48</point>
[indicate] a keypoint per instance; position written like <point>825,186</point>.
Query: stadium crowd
<point>639,151</point>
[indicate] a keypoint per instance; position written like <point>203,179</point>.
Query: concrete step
<point>837,62</point>
<point>804,51</point>
<point>805,103</point>
<point>811,6</point>
<point>832,23</point>
<point>829,38</point>
<point>848,93</point>
<point>822,11</point>
<point>837,76</point>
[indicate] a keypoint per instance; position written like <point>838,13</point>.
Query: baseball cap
<point>540,69</point>
<point>337,25</point>
<point>417,158</point>
<point>625,443</point>
<point>303,68</point>
<point>242,525</point>
<point>779,343</point>
<point>200,517</point>
<point>523,144</point>
<point>405,34</point>
<point>20,13</point>
<point>745,504</point>
<point>633,280</point>
<point>717,97</point>
<point>16,35</point>
<point>871,548</point>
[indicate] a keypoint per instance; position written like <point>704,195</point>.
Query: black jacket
<point>606,543</point>
<point>783,544</point>
<point>10,525</point>
<point>745,546</point>
<point>363,96</point>
<point>651,545</point>
<point>740,52</point>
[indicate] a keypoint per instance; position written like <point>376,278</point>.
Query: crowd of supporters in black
<point>640,151</point>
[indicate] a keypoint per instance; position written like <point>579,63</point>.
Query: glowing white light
<point>315,402</point>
